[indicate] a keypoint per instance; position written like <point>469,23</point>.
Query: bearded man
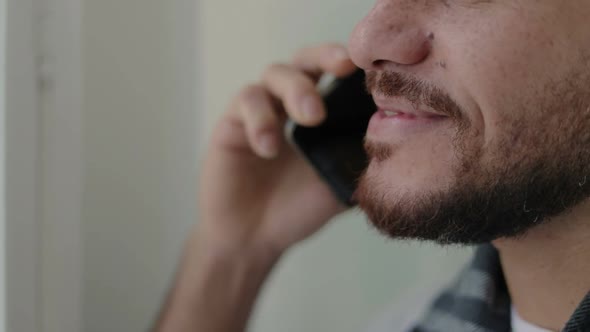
<point>482,137</point>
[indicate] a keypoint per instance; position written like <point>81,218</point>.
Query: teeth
<point>391,113</point>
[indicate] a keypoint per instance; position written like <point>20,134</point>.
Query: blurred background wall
<point>2,164</point>
<point>157,74</point>
<point>141,128</point>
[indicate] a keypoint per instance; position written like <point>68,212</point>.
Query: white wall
<point>22,140</point>
<point>140,145</point>
<point>341,278</point>
<point>43,165</point>
<point>2,165</point>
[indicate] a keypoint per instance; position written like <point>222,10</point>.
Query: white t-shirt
<point>520,325</point>
<point>403,316</point>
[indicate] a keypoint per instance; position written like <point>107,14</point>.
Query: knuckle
<point>225,129</point>
<point>255,105</point>
<point>259,125</point>
<point>252,93</point>
<point>287,81</point>
<point>264,128</point>
<point>275,68</point>
<point>301,90</point>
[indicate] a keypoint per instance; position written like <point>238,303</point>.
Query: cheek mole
<point>395,28</point>
<point>442,64</point>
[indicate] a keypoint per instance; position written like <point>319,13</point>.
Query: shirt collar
<point>478,300</point>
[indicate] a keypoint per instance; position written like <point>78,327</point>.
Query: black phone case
<point>335,148</point>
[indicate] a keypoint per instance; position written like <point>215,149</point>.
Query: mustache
<point>417,92</point>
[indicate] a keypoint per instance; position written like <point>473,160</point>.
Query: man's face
<point>484,122</point>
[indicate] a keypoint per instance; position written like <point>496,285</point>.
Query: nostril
<point>379,64</point>
<point>408,52</point>
<point>387,40</point>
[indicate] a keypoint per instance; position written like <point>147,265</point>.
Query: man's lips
<point>401,107</point>
<point>396,120</point>
<point>409,115</point>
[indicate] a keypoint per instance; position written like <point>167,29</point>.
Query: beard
<point>536,167</point>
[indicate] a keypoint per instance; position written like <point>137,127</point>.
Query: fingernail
<point>267,146</point>
<point>311,109</point>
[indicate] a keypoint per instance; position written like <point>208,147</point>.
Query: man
<point>482,137</point>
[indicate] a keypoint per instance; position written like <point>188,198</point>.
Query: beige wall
<point>340,279</point>
<point>2,164</point>
<point>140,147</point>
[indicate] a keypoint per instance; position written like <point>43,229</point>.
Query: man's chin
<point>455,216</point>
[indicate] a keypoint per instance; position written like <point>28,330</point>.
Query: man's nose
<point>390,36</point>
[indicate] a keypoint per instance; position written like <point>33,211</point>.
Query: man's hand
<point>256,190</point>
<point>258,197</point>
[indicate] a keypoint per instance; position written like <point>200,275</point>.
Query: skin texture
<point>519,140</point>
<point>516,160</point>
<point>513,68</point>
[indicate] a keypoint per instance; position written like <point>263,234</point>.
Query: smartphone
<point>335,148</point>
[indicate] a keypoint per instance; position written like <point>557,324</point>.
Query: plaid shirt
<point>479,301</point>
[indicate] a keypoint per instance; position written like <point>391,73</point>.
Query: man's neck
<point>548,270</point>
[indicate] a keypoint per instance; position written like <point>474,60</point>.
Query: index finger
<point>325,58</point>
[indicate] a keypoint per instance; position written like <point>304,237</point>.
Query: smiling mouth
<point>410,115</point>
<point>404,108</point>
<point>394,127</point>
